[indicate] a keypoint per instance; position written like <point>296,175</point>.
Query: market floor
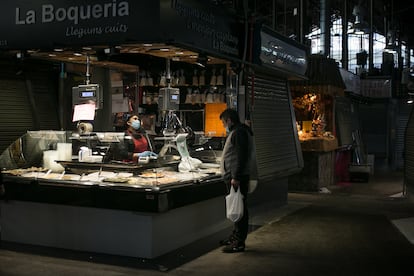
<point>346,230</point>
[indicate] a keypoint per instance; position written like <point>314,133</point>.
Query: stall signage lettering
<point>204,23</point>
<point>50,13</point>
<point>76,15</point>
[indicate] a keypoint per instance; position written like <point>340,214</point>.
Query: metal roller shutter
<point>345,122</point>
<point>409,152</point>
<point>404,111</point>
<point>277,145</point>
<point>15,111</point>
<point>27,100</point>
<point>44,89</point>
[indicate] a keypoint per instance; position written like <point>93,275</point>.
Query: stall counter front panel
<point>136,222</point>
<point>144,215</point>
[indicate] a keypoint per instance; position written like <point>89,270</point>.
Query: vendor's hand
<point>235,183</point>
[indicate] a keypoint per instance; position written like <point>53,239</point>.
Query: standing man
<point>235,167</point>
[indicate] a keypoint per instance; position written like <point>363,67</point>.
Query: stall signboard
<point>51,24</point>
<point>277,52</point>
<point>376,88</point>
<point>62,23</point>
<point>201,25</point>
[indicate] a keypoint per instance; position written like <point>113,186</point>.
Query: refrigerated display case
<point>149,209</point>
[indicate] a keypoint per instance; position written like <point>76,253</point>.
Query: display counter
<point>319,165</point>
<point>145,196</point>
<point>319,144</point>
<point>115,208</point>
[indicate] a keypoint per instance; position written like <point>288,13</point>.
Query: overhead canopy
<point>323,76</point>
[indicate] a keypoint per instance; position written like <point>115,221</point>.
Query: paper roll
<point>85,128</point>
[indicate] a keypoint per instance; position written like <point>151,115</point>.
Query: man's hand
<point>235,183</point>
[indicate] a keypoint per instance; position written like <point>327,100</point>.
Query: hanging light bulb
<point>391,46</point>
<point>359,26</point>
<point>410,98</point>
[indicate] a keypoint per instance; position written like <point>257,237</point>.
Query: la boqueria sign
<point>49,24</point>
<point>41,24</point>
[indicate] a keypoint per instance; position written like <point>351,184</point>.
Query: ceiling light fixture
<point>391,46</point>
<point>359,27</point>
<point>202,60</point>
<point>112,51</point>
<point>410,98</point>
<point>390,49</point>
<point>19,55</point>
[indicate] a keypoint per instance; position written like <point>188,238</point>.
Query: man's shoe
<point>234,247</point>
<point>228,241</point>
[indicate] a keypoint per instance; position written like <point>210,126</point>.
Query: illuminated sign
<point>277,53</point>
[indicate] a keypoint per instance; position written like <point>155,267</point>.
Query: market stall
<point>109,207</point>
<point>175,71</point>
<point>314,103</point>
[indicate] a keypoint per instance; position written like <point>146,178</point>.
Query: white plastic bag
<point>234,205</point>
<point>254,178</point>
<point>252,185</point>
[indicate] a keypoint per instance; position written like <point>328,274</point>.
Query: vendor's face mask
<point>136,124</point>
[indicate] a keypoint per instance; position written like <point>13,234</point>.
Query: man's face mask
<point>227,125</point>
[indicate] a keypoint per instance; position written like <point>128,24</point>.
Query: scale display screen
<point>86,94</point>
<point>169,98</point>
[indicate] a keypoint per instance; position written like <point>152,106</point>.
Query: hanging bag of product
<point>234,205</point>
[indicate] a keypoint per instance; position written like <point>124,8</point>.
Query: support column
<point>345,36</point>
<point>325,28</point>
<point>371,38</point>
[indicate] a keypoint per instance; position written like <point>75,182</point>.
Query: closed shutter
<point>344,114</point>
<point>409,152</point>
<point>15,112</point>
<point>27,100</point>
<point>44,88</point>
<point>375,119</point>
<point>277,144</point>
<point>399,143</point>
<point>404,111</point>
